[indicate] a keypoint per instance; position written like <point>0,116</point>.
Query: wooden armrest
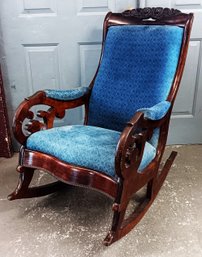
<point>43,119</point>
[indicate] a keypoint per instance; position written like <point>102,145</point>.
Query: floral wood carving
<point>156,13</point>
<point>130,156</point>
<point>27,122</point>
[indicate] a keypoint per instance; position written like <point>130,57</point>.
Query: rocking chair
<point>128,106</point>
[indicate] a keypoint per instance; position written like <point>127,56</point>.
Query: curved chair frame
<point>130,146</point>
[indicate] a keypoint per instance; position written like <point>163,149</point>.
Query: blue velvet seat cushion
<point>64,95</point>
<point>137,70</point>
<point>86,146</point>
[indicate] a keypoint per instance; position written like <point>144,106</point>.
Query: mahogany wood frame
<point>129,149</point>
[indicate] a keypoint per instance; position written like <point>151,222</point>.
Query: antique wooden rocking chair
<point>128,105</point>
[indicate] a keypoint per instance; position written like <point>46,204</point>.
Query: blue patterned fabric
<point>155,138</point>
<point>66,95</point>
<point>87,146</point>
<point>157,111</point>
<point>137,70</point>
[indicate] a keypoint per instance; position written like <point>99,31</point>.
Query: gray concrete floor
<point>73,222</point>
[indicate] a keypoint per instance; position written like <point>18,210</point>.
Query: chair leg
<point>24,191</point>
<point>26,175</point>
<point>120,226</point>
<point>118,218</point>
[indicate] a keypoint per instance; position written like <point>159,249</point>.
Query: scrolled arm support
<point>132,142</point>
<point>43,119</point>
<point>130,147</point>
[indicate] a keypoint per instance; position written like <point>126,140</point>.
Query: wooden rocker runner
<point>128,106</point>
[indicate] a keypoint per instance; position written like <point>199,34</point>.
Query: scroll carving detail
<point>156,13</point>
<point>42,119</point>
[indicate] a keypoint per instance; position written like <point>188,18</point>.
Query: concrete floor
<point>73,222</point>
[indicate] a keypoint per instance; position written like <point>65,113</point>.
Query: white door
<point>186,122</point>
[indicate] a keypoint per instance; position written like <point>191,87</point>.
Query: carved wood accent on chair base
<point>66,173</point>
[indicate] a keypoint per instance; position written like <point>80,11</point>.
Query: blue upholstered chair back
<point>137,70</point>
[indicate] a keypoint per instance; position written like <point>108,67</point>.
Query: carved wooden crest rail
<point>156,13</point>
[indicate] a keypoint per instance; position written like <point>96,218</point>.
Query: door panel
<point>37,7</point>
<point>189,82</point>
<point>38,56</point>
<point>186,121</point>
<point>89,56</point>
